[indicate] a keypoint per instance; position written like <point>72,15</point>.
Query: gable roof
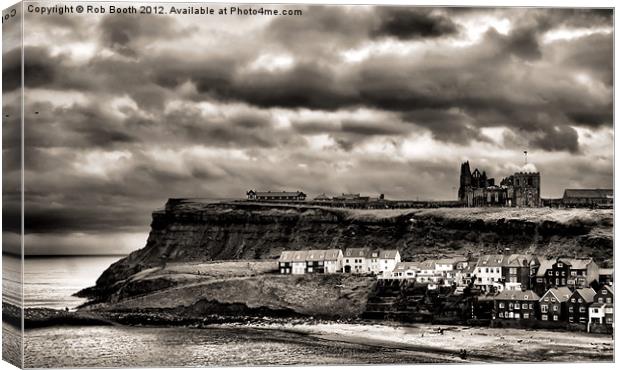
<point>286,256</point>
<point>315,255</point>
<point>493,260</point>
<point>299,256</point>
<point>402,266</point>
<point>586,293</point>
<point>589,193</point>
<point>427,265</point>
<point>332,254</point>
<point>516,260</point>
<point>608,288</point>
<point>518,295</point>
<point>577,263</point>
<point>356,252</point>
<point>545,265</point>
<point>388,253</point>
<point>562,294</point>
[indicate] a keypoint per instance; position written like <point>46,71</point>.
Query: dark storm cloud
<point>407,23</point>
<point>445,125</point>
<point>41,69</point>
<point>102,165</point>
<point>129,34</point>
<point>76,126</point>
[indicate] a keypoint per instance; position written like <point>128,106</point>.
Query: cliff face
<point>194,231</point>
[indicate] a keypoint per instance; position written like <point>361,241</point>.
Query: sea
<point>51,282</point>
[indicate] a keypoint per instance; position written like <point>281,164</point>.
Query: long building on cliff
<point>476,189</point>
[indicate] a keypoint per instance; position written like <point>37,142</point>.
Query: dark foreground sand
<point>479,343</point>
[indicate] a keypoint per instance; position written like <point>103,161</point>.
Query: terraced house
<point>553,304</point>
<point>516,305</point>
<point>320,261</point>
<point>356,261</point>
<point>571,272</point>
<point>489,272</point>
<point>578,305</point>
<point>602,310</point>
<point>517,271</point>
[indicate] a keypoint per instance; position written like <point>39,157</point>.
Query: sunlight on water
<point>140,347</point>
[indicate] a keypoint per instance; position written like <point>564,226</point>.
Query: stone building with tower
<point>521,189</point>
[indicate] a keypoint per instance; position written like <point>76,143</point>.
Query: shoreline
<point>432,342</point>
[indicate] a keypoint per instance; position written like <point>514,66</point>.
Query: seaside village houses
<point>515,289</point>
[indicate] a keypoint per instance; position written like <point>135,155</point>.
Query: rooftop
<point>589,193</point>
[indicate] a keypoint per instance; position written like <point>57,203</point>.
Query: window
<point>580,300</point>
<point>555,317</point>
<point>501,305</point>
<point>347,260</point>
<point>510,306</point>
<point>557,273</point>
<point>608,300</point>
<point>570,309</point>
<point>544,317</point>
<point>544,308</point>
<point>531,306</point>
<point>582,309</point>
<point>563,273</point>
<point>501,314</point>
<point>555,307</point>
<point>550,273</point>
<point>560,264</point>
<point>553,299</point>
<point>526,315</point>
<point>600,300</point>
<point>573,273</point>
<point>604,292</point>
<point>572,300</point>
<point>517,306</point>
<point>610,320</point>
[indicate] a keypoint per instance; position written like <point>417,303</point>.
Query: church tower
<point>465,181</point>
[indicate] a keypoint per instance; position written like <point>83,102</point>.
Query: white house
<point>333,261</point>
<point>299,262</point>
<point>383,261</point>
<point>356,260</point>
<point>427,273</point>
<point>489,271</point>
<point>405,270</point>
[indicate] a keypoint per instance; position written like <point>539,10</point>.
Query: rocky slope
<point>197,231</point>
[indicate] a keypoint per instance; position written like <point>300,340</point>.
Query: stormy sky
<point>124,112</point>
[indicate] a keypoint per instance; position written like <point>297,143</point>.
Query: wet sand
<point>481,344</point>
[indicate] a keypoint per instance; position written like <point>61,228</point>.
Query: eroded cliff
<point>196,231</point>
